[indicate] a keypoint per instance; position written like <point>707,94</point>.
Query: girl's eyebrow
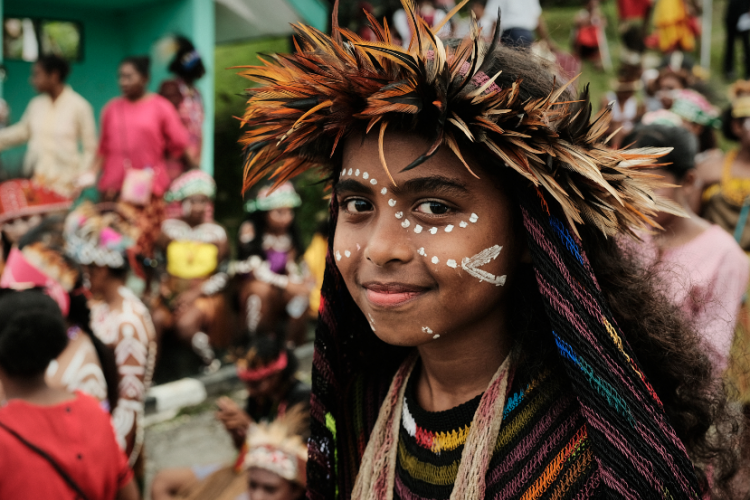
<point>353,186</point>
<point>435,184</point>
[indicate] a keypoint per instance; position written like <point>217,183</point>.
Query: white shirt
<point>53,130</point>
<point>514,14</point>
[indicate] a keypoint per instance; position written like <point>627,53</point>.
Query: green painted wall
<point>109,35</point>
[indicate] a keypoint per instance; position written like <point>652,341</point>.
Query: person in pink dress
<point>139,131</point>
<point>702,268</point>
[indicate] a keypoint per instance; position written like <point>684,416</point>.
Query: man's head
<point>48,73</point>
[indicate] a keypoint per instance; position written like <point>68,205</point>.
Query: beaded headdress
<point>278,446</point>
<point>336,85</point>
<point>693,107</point>
<point>283,196</point>
<point>22,198</point>
<point>189,184</point>
<point>98,237</point>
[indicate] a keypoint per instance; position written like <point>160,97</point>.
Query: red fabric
<point>77,434</point>
<point>144,132</point>
<point>633,9</point>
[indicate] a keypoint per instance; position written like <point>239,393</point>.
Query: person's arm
<point>175,133</point>
<point>129,491</point>
<point>543,34</point>
<point>18,133</point>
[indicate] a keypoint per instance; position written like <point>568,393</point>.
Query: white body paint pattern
<point>452,263</point>
<point>472,265</point>
<point>449,228</point>
<point>254,305</point>
<point>371,321</point>
<point>462,224</point>
<point>365,176</point>
<point>78,368</point>
<point>131,333</point>
<point>417,229</point>
<point>384,190</point>
<point>422,252</point>
<point>427,330</point>
<point>433,230</point>
<point>358,247</point>
<point>392,202</point>
<point>406,223</point>
<point>347,253</point>
<point>350,171</point>
<point>356,172</point>
<point>435,260</point>
<point>399,215</point>
<point>474,218</point>
<point>436,336</point>
<point>373,181</point>
<point>338,255</point>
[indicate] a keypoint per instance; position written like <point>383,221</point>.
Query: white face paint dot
<point>399,215</point>
<point>420,252</point>
<point>417,229</point>
<point>383,191</point>
<point>452,263</point>
<point>338,255</point>
<point>373,181</point>
<point>365,175</point>
<point>358,247</point>
<point>406,223</point>
<point>433,230</point>
<point>435,260</point>
<point>347,253</point>
<point>350,172</point>
<point>392,202</point>
<point>436,336</point>
<point>462,224</point>
<point>449,228</point>
<point>356,172</point>
<point>427,329</point>
<point>473,218</point>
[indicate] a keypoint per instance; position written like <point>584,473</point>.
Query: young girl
<point>481,334</point>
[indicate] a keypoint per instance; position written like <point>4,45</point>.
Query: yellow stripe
<point>428,473</point>
<point>512,428</point>
<point>442,441</point>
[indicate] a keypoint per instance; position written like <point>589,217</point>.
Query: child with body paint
<point>481,334</point>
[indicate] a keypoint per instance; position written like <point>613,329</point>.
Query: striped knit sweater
<point>542,449</point>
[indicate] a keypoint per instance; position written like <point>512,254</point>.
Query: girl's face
<point>265,485</point>
<point>278,220</point>
<point>428,259</point>
<point>194,208</point>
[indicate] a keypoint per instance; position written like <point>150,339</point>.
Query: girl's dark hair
<point>54,64</point>
<point>187,63</point>
<point>50,233</point>
<point>142,64</point>
<point>681,159</point>
<point>255,247</point>
<point>32,332</point>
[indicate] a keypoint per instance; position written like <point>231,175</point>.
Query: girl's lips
<point>391,294</point>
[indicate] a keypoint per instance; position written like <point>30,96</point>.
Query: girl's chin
<point>405,339</point>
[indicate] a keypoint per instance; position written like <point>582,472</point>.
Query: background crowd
<point>115,275</point>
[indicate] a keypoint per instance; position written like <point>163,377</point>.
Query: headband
<point>189,184</point>
<point>20,274</point>
<point>22,198</point>
<point>254,375</point>
<point>283,196</point>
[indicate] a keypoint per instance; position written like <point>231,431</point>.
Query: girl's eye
<point>358,205</point>
<point>433,208</point>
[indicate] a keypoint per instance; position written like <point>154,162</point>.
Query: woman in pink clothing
<point>704,271</point>
<point>140,131</point>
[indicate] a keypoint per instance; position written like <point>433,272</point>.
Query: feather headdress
<point>310,100</point>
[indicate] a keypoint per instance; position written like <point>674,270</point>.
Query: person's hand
<point>233,418</point>
<point>186,299</point>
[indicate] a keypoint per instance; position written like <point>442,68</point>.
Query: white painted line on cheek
<point>356,172</point>
<point>338,255</point>
<point>392,202</point>
<point>452,263</point>
<point>462,224</point>
<point>435,260</point>
<point>365,175</point>
<point>399,215</point>
<point>473,218</point>
<point>422,252</point>
<point>427,329</point>
<point>347,253</point>
<point>417,229</point>
<point>384,190</point>
<point>406,223</point>
<point>373,181</point>
<point>472,265</point>
<point>449,228</point>
<point>433,230</point>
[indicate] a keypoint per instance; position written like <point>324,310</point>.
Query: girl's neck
<point>461,365</point>
<point>34,390</point>
<point>138,97</point>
